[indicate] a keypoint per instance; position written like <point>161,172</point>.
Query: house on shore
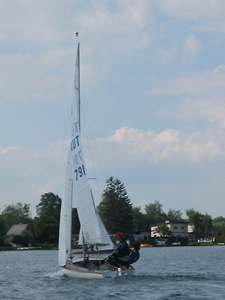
<point>178,229</point>
<point>19,229</point>
<point>171,233</point>
<point>191,233</point>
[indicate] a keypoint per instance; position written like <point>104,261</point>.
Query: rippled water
<point>161,273</point>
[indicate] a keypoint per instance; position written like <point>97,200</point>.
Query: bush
<point>150,241</point>
<point>220,239</point>
<point>48,246</point>
<point>23,240</point>
<point>1,241</point>
<point>194,244</point>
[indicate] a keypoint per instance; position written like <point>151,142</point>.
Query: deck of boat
<point>93,252</point>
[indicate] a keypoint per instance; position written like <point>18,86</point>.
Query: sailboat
<point>78,194</point>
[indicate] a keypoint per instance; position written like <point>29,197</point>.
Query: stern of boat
<point>125,270</point>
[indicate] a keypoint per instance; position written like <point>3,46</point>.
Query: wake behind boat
<point>78,194</point>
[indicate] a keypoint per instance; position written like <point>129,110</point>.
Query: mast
<point>71,215</point>
<point>77,85</point>
<point>78,56</point>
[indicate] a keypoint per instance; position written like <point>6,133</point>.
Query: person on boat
<point>134,255</point>
<point>121,255</point>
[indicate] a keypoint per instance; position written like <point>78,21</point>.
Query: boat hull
<point>88,270</point>
<point>88,274</point>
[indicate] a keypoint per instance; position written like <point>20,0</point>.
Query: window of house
<point>182,227</point>
<point>175,227</point>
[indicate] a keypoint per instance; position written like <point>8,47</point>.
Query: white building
<point>178,229</point>
<point>191,232</point>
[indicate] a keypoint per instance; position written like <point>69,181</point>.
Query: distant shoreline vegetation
<point>116,212</point>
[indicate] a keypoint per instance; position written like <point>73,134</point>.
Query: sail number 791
<point>80,172</point>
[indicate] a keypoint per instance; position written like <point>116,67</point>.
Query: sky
<point>152,93</point>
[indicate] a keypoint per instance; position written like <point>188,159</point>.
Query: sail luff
<point>78,54</point>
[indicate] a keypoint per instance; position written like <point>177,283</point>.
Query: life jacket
<point>134,257</point>
<point>123,249</point>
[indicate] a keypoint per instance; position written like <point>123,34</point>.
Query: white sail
<point>89,220</point>
<point>107,240</point>
<point>66,217</point>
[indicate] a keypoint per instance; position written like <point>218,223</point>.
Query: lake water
<point>161,273</point>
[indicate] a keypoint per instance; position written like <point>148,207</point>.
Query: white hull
<point>89,274</point>
<point>77,269</point>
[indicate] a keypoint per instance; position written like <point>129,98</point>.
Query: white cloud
<point>198,10</point>
<point>192,47</point>
<point>38,54</point>
<point>210,82</point>
<point>26,174</point>
<point>132,145</point>
<point>120,40</point>
<point>39,42</point>
<point>31,173</point>
<point>29,23</point>
<point>210,109</point>
<point>29,162</point>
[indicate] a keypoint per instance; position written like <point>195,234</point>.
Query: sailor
<point>134,255</point>
<point>121,256</point>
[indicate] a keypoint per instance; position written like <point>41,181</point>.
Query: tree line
<point>115,210</point>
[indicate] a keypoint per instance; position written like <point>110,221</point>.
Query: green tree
<point>203,224</point>
<point>195,218</point>
<point>146,223</point>
<point>219,221</point>
<point>46,223</point>
<point>207,225</point>
<point>163,230</point>
<point>154,213</point>
<point>115,208</point>
<point>174,215</point>
<point>23,240</point>
<point>218,230</point>
<point>15,214</point>
<point>138,219</point>
<point>2,230</point>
